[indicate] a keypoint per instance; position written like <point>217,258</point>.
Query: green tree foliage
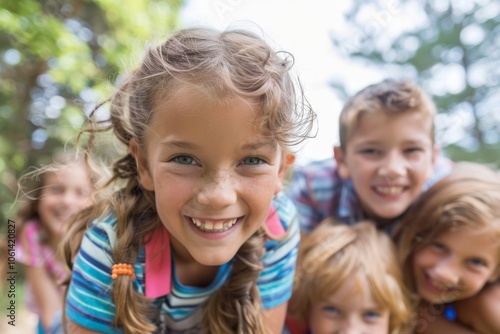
<point>451,48</point>
<point>57,59</point>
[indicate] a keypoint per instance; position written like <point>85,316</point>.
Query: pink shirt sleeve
<point>29,248</point>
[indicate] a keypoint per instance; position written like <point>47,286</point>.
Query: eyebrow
<point>258,145</point>
<point>179,144</point>
<point>417,141</point>
<point>252,146</point>
<point>406,142</point>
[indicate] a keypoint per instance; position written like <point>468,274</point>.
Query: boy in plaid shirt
<point>386,158</point>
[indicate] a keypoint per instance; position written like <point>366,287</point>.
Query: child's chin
<point>441,298</point>
<point>213,259</point>
<point>388,215</point>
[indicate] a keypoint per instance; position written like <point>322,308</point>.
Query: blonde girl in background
<point>50,198</point>
<point>348,280</point>
<point>449,245</point>
<point>199,237</point>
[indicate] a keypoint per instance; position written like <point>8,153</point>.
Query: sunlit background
<point>450,49</point>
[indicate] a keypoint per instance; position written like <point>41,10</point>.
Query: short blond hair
<point>333,254</point>
<point>390,97</point>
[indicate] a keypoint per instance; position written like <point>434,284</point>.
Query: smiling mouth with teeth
<point>214,227</point>
<point>390,190</point>
<point>441,287</point>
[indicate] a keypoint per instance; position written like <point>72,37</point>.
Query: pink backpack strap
<point>273,227</point>
<point>158,279</point>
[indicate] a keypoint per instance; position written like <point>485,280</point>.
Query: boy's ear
<point>145,178</point>
<point>339,155</point>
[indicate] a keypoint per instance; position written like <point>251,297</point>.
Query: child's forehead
<point>476,228</point>
<point>477,235</point>
<point>355,286</point>
<point>186,96</point>
<point>188,119</point>
<point>416,115</point>
<point>409,126</point>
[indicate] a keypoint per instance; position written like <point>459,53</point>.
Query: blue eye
<point>252,161</point>
<point>412,150</point>
<point>477,262</point>
<point>184,160</point>
<point>369,151</point>
<point>437,246</point>
<point>372,315</point>
<point>331,310</point>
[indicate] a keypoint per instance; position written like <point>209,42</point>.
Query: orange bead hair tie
<point>122,269</point>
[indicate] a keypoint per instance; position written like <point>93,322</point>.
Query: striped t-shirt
<point>89,302</point>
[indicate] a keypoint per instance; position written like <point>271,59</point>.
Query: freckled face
<point>213,173</point>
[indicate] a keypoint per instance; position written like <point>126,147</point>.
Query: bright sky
<point>303,28</point>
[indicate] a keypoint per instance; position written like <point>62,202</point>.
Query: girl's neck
<point>194,274</point>
<point>189,272</point>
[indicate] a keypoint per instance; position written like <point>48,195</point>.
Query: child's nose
<point>352,324</point>
<point>393,165</point>
<point>217,192</point>
<point>68,198</point>
<point>445,273</point>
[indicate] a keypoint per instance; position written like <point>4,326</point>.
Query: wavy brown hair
<point>468,197</point>
<point>223,65</point>
<point>335,253</point>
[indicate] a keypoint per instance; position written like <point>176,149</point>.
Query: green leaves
<point>450,48</point>
<point>57,59</point>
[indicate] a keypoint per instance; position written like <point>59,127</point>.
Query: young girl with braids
<point>199,234</point>
<point>348,280</point>
<point>49,198</point>
<point>449,245</point>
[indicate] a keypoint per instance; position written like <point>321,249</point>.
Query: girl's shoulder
<point>103,228</point>
<point>285,209</point>
<point>280,257</point>
<point>31,234</point>
<point>33,226</point>
<point>100,236</point>
<point>31,251</point>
